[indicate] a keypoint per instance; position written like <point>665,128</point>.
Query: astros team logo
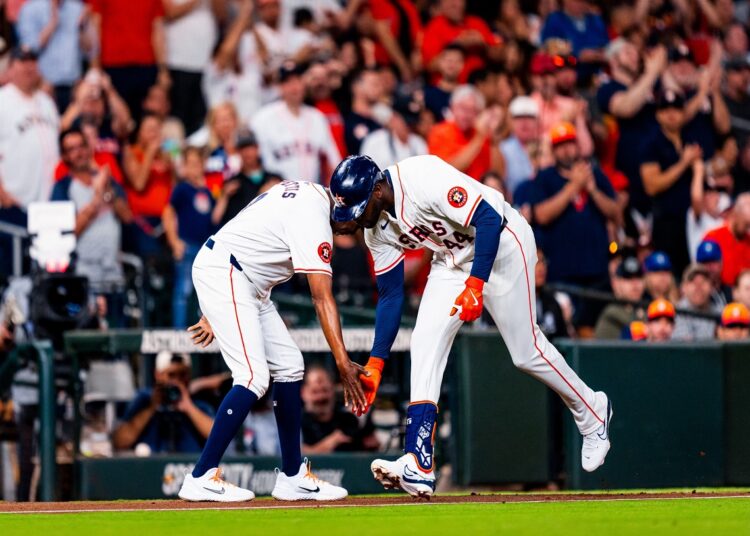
<point>324,251</point>
<point>457,197</point>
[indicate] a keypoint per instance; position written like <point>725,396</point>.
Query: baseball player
<point>284,231</point>
<point>484,255</point>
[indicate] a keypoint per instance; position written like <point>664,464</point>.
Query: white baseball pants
<point>510,298</point>
<point>253,339</point>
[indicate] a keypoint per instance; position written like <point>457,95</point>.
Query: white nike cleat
<point>211,487</point>
<point>596,444</point>
<point>305,486</point>
<point>404,473</point>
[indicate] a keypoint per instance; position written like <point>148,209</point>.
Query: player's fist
<point>371,381</point>
<point>469,302</point>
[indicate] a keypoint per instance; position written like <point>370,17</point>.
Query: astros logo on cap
<point>457,197</point>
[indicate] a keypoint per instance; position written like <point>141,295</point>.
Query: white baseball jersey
<point>29,127</point>
<point>283,231</point>
<point>292,145</point>
<point>433,205</point>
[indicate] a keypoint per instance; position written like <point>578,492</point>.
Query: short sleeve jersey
<point>284,231</point>
<point>433,205</point>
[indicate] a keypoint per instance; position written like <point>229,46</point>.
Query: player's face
<point>344,227</point>
<point>371,215</point>
<point>660,330</point>
<point>735,333</point>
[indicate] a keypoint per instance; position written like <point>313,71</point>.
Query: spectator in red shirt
<point>102,159</point>
<point>468,140</point>
<point>319,91</point>
<point>150,176</point>
<point>734,240</point>
<point>131,47</point>
<point>452,25</point>
<point>398,33</point>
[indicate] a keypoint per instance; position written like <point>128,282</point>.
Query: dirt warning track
<point>395,501</point>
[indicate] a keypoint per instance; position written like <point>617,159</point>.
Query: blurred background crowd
<point>620,130</point>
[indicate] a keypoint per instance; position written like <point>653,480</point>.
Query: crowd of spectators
<point>620,130</point>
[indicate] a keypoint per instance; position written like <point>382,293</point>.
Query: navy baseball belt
<point>210,243</point>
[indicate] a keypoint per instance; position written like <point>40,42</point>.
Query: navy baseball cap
<point>708,251</point>
<point>352,184</point>
<point>658,261</point>
<point>629,268</point>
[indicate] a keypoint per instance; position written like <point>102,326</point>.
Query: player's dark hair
<point>302,16</point>
<point>454,47</point>
<point>69,132</point>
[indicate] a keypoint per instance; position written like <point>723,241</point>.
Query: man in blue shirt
<point>58,31</point>
<point>585,31</point>
<point>628,97</point>
<point>165,417</point>
<point>573,201</point>
<point>669,160</point>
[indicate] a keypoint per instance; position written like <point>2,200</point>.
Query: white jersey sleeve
<point>385,253</point>
<point>310,239</point>
<point>442,189</point>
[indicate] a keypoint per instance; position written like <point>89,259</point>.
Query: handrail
<point>18,233</point>
<point>599,295</point>
<point>47,391</point>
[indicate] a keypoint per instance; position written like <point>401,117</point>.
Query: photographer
<point>165,417</point>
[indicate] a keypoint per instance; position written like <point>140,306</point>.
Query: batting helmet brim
<point>344,214</point>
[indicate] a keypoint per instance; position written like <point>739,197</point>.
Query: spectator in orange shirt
<point>468,140</point>
<point>734,240</point>
<point>150,176</point>
<point>452,25</point>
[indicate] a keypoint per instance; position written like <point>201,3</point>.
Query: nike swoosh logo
<point>476,301</point>
<point>217,492</point>
<point>316,490</point>
<point>430,483</point>
<point>385,224</point>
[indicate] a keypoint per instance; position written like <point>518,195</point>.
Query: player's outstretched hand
<point>371,381</point>
<point>354,396</point>
<point>469,302</point>
<point>201,333</point>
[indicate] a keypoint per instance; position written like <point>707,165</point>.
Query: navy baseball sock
<point>287,406</point>
<point>232,412</point>
<point>420,430</point>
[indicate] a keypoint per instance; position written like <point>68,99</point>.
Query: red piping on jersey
<point>533,331</point>
<point>315,187</point>
<point>313,271</point>
<point>387,268</point>
<point>471,212</point>
<point>239,328</point>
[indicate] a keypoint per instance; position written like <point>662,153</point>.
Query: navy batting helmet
<point>352,183</point>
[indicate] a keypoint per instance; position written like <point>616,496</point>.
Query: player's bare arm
<point>321,291</point>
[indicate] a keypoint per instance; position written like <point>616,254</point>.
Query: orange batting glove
<point>470,300</point>
<point>371,380</point>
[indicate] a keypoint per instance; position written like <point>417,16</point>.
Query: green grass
<point>715,517</point>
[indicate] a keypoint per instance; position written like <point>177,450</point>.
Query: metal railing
<point>18,234</point>
<point>42,352</point>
